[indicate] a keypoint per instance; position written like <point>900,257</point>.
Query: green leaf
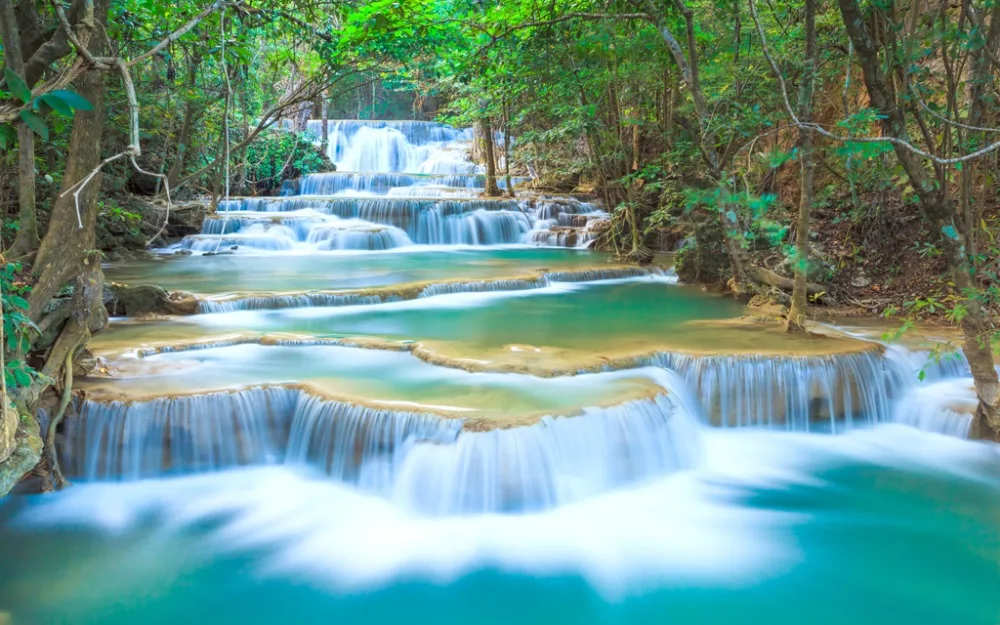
<point>21,377</point>
<point>17,85</point>
<point>36,123</point>
<point>8,136</point>
<point>71,99</point>
<point>57,104</point>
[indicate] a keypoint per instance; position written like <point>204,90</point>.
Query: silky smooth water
<point>386,377</point>
<point>269,476</point>
<point>301,272</point>
<point>883,526</point>
<point>641,312</point>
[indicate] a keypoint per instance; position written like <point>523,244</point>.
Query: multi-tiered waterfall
<point>389,399</point>
<point>397,184</point>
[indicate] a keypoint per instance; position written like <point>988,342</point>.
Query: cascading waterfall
<point>411,176</point>
<point>554,462</point>
<point>423,460</point>
<point>827,393</point>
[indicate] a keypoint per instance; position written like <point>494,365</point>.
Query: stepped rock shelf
<point>394,328</point>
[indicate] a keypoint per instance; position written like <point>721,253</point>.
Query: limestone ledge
<point>143,300</point>
<point>727,338</point>
<point>101,390</point>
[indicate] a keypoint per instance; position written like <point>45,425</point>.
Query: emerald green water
<point>585,317</point>
<point>332,271</point>
<point>774,528</point>
<point>390,377</point>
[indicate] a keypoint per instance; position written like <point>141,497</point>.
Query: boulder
<point>147,299</point>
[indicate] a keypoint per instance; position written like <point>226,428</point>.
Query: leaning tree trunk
<point>940,213</point>
<point>492,190</point>
<point>27,234</point>
<point>797,313</point>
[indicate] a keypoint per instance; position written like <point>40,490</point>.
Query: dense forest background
<point>822,156</point>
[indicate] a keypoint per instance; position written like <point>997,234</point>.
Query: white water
<point>397,184</point>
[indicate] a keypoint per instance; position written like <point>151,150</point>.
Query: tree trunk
<point>325,130</point>
<point>69,241</point>
<point>190,112</point>
<point>940,213</point>
<point>492,190</point>
<point>797,314</point>
<point>506,149</point>
<point>27,234</point>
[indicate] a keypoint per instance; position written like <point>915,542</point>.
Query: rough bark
<point>940,212</point>
<point>797,313</point>
<point>27,234</point>
<point>492,190</point>
<point>67,246</point>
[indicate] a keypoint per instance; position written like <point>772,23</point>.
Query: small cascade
<point>554,462</point>
<point>135,440</point>
<point>945,406</point>
<point>823,393</point>
<point>335,183</point>
<point>297,300</point>
<point>356,234</point>
<point>358,444</point>
<point>425,461</point>
<point>481,286</point>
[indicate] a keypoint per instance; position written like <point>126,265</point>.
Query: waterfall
<point>826,393</point>
<point>299,300</point>
<point>556,461</point>
<point>138,439</point>
<point>410,176</point>
<point>423,460</point>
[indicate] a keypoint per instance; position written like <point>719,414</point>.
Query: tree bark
<point>506,149</point>
<point>27,234</point>
<point>492,190</point>
<point>797,313</point>
<point>69,242</point>
<point>190,113</point>
<point>325,116</point>
<point>940,213</point>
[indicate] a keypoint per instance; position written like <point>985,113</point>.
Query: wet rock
<point>147,299</point>
<point>84,363</point>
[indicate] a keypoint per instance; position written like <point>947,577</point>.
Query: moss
<point>27,453</point>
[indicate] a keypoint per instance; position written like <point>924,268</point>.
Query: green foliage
<point>278,155</point>
<point>16,325</point>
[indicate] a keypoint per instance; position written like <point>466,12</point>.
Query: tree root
<point>58,482</point>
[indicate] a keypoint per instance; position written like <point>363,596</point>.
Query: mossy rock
<point>147,299</point>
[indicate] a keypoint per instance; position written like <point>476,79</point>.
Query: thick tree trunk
<point>27,234</point>
<point>797,313</point>
<point>940,213</point>
<point>69,241</point>
<point>492,190</point>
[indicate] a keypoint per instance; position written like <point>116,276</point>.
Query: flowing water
<point>401,402</point>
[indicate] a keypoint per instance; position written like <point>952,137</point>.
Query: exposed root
<point>57,481</point>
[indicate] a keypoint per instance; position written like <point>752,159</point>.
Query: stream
<point>402,402</point>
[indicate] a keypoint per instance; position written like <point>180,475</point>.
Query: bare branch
<point>829,135</point>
